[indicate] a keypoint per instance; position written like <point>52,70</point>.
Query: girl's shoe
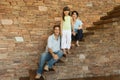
<point>64,55</point>
<point>68,51</point>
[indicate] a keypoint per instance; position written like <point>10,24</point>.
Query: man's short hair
<point>56,26</point>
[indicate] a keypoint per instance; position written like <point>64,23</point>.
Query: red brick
<point>43,8</point>
<point>5,55</point>
<point>6,21</point>
<point>117,1</point>
<point>65,0</point>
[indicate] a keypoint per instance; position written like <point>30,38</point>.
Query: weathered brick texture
<point>33,20</point>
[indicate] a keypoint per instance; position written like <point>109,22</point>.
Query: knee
<point>80,30</point>
<point>60,54</point>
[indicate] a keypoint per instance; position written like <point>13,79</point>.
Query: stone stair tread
<point>24,78</point>
<point>113,11</point>
<point>61,62</point>
<point>117,7</point>
<point>112,77</point>
<point>32,73</point>
<point>100,22</point>
<point>86,33</point>
<point>94,27</point>
<point>110,16</point>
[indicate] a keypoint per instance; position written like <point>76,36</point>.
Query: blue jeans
<point>47,57</point>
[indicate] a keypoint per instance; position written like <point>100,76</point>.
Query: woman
<point>77,32</point>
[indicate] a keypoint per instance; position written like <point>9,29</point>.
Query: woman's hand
<point>79,27</point>
<point>73,33</point>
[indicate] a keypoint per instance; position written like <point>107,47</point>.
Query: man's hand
<point>55,56</point>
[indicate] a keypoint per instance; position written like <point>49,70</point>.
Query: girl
<point>66,30</point>
<point>77,32</point>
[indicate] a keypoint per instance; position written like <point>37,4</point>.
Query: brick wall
<point>25,25</point>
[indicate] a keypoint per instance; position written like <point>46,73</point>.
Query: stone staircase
<point>111,17</point>
<point>98,55</point>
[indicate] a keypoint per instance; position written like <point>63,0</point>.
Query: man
<point>52,53</point>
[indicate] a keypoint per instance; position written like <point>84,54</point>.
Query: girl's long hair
<point>65,9</point>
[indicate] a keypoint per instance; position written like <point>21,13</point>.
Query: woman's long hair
<point>75,12</point>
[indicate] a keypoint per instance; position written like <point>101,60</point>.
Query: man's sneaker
<point>37,77</point>
<point>40,78</point>
<point>46,68</point>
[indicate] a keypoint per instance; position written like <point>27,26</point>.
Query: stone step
<point>115,15</point>
<point>47,75</point>
<point>95,27</point>
<point>113,11</point>
<point>102,26</point>
<point>115,22</point>
<point>24,78</point>
<point>106,21</point>
<point>32,74</point>
<point>61,62</point>
<point>117,7</point>
<point>55,75</point>
<point>87,33</point>
<point>112,77</point>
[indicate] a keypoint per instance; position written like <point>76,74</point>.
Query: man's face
<point>57,31</point>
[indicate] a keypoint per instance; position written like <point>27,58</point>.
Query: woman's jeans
<point>47,57</point>
<point>78,36</point>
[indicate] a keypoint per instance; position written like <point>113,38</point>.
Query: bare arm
<point>80,27</point>
<point>52,53</point>
<point>61,26</point>
<point>72,26</point>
